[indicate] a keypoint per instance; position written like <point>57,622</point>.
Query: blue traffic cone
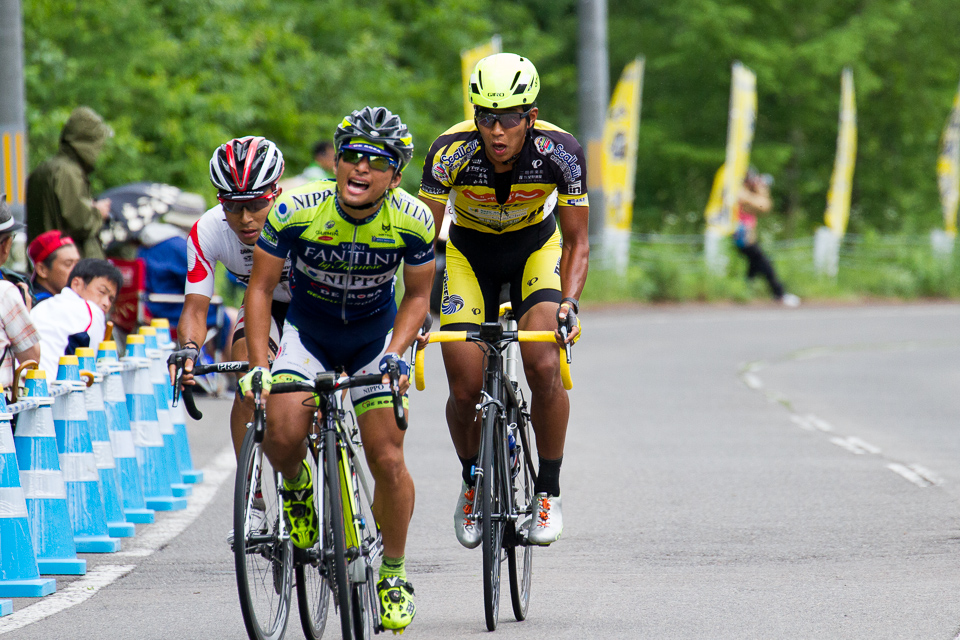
<point>121,437</point>
<point>79,465</point>
<point>43,486</point>
<point>164,341</point>
<point>142,406</point>
<point>6,607</point>
<point>161,392</point>
<point>19,574</point>
<point>117,526</point>
<point>177,414</point>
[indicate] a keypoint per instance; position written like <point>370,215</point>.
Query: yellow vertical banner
<point>948,168</point>
<point>468,60</point>
<point>841,183</point>
<point>619,158</point>
<point>722,206</point>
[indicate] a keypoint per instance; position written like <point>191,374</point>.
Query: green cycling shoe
<point>397,608</point>
<point>299,512</point>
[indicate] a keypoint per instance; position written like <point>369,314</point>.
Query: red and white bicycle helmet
<point>244,168</point>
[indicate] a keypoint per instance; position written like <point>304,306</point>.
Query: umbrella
<point>133,206</point>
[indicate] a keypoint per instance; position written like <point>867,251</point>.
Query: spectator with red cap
<point>53,256</point>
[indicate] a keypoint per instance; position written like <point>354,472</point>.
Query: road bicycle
<point>268,565</point>
<point>504,499</point>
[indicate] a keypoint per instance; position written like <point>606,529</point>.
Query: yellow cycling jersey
<point>551,162</point>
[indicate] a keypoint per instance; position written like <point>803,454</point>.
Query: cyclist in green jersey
<point>346,240</point>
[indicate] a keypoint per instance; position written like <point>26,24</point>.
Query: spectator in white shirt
<point>76,317</point>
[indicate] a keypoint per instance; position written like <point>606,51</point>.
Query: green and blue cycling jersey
<point>343,270</point>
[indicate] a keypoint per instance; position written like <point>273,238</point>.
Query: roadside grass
<point>665,269</point>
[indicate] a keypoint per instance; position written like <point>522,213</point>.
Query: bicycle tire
<point>520,557</point>
<point>492,503</point>
<point>263,560</point>
<point>313,587</point>
<point>339,569</point>
<point>364,598</point>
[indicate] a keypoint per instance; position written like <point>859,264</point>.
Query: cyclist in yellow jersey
<point>511,179</point>
<point>346,240</point>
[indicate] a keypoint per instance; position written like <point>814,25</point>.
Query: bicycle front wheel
<point>492,524</point>
<point>313,586</point>
<point>341,582</point>
<point>263,557</point>
<point>520,557</point>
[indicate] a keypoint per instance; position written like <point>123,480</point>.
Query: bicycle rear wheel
<point>313,586</point>
<point>492,524</point>
<point>520,557</point>
<point>341,582</point>
<point>264,560</point>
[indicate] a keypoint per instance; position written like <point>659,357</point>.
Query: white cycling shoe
<point>547,523</point>
<point>468,531</point>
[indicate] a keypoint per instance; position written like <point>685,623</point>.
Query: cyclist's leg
<point>464,306</point>
<point>539,296</point>
<point>393,492</point>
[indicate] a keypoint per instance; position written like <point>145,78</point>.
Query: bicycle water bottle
<point>514,458</point>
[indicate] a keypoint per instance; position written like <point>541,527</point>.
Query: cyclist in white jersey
<point>245,172</point>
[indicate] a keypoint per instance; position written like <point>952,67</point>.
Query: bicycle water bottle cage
<point>491,331</point>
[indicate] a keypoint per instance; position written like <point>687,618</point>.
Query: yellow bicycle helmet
<point>504,80</point>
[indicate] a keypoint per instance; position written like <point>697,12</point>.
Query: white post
<point>826,252</point>
<point>942,244</point>
<point>713,252</point>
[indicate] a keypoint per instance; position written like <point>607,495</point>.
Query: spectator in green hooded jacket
<point>58,191</point>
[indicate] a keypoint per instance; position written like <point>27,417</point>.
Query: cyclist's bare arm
<point>575,259</point>
<point>415,304</point>
<point>264,278</point>
<point>191,328</point>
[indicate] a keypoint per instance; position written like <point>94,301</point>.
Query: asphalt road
<point>730,473</point>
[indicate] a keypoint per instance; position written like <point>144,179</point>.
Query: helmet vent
<point>515,78</point>
<point>480,79</point>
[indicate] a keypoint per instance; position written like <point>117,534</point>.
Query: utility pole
<point>13,136</point>
<point>593,91</point>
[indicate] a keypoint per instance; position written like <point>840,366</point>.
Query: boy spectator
<point>53,256</point>
<point>76,317</point>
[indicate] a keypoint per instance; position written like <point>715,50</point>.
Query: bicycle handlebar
<point>198,370</point>
<point>326,381</point>
<point>474,336</point>
<point>329,382</point>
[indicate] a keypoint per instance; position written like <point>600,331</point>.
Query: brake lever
<point>394,372</point>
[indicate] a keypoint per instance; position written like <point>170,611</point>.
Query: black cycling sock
<point>468,465</point>
<point>548,480</point>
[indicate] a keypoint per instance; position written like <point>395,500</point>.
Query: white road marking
<point>820,423</point>
<point>909,474</point>
<point>167,527</point>
<point>845,443</point>
<point>927,474</point>
<point>802,422</point>
<point>863,444</point>
<point>753,381</point>
<point>76,592</point>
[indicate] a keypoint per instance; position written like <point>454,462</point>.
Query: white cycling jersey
<point>212,241</point>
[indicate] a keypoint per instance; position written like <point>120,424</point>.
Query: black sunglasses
<point>508,120</point>
<point>237,206</point>
<point>377,162</point>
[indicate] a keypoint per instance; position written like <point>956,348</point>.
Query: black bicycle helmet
<point>244,168</point>
<point>380,127</point>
